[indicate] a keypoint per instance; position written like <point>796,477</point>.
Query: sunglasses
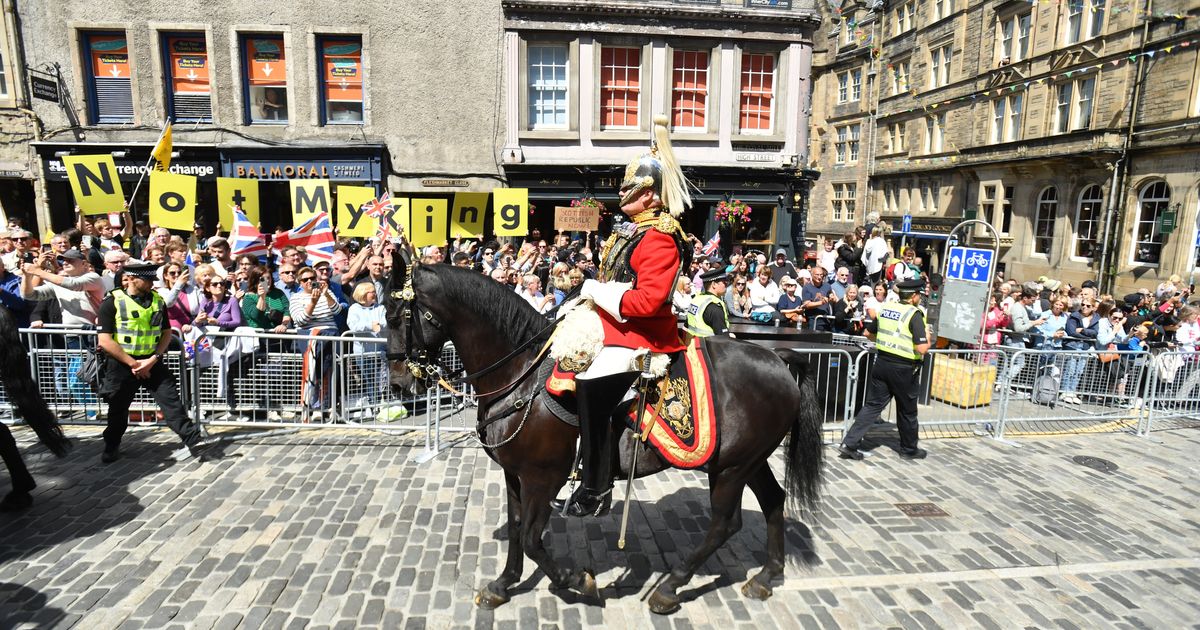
<point>218,283</point>
<point>172,273</point>
<point>307,278</point>
<point>489,253</point>
<point>287,273</point>
<point>21,238</point>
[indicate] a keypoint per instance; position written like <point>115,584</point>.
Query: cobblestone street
<point>340,528</point>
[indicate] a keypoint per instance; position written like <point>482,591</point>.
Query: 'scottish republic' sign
<point>572,219</point>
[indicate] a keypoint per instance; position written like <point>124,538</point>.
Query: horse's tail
<point>23,391</point>
<point>805,450</point>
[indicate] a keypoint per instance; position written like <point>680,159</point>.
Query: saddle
<point>679,417</point>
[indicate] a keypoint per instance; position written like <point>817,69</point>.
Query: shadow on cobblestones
<point>24,605</point>
<point>67,508</point>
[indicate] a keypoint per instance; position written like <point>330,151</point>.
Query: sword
<point>643,384</point>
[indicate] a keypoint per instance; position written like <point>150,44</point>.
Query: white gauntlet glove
<point>606,295</point>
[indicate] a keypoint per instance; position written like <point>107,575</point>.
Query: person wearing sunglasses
<point>314,306</point>
<point>217,306</point>
<point>737,297</point>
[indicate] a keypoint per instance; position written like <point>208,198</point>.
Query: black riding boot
<point>598,399</point>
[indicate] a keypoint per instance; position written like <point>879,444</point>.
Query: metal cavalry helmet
<point>659,171</point>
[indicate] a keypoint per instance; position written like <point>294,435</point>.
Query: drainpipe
<point>1113,220</point>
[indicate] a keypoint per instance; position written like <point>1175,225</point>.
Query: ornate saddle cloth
<point>680,413</point>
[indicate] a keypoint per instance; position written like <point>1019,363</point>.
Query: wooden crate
<point>962,383</point>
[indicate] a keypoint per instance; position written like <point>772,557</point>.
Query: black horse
<point>23,393</point>
<point>758,403</point>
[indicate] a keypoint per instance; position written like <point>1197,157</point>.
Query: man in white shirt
<point>531,291</point>
<point>114,263</point>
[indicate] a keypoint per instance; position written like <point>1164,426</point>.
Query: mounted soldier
<point>639,265</point>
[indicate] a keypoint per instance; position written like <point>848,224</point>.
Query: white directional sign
<point>969,263</point>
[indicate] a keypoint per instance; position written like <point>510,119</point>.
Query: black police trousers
<point>120,386</point>
<point>889,379</point>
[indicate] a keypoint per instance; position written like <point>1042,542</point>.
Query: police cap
<point>145,272</point>
<point>910,286</point>
<point>714,275</point>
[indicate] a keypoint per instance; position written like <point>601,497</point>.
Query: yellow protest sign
<point>429,220</point>
<point>352,220</point>
<point>234,191</point>
<point>172,200</point>
<point>467,218</point>
<point>95,184</point>
<point>309,196</point>
<point>398,219</point>
<point>510,208</point>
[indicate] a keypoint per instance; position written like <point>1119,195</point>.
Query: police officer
<point>901,340</point>
<point>134,333</point>
<point>707,316</point>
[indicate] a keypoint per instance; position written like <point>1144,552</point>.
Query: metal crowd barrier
<point>247,377</point>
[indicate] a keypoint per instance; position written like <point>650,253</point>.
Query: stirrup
<point>579,504</point>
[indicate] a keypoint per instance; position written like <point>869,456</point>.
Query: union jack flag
<point>712,245</point>
<point>192,348</point>
<point>245,238</point>
<point>314,235</point>
<point>379,209</point>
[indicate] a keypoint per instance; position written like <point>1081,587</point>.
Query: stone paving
<point>340,528</point>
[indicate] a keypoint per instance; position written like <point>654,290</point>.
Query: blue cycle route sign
<point>969,263</point>
<point>906,224</point>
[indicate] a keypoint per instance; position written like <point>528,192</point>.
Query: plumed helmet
<point>658,170</point>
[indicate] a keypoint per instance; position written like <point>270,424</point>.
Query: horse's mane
<point>512,316</point>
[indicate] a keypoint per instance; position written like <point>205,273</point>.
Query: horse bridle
<point>417,361</point>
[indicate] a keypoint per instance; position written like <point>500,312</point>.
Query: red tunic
<point>649,322</point>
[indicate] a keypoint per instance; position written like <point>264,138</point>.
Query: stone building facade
<point>426,101</point>
<point>1027,116</point>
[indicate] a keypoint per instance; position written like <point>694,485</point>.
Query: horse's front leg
<point>22,482</point>
<point>535,510</point>
<point>496,592</point>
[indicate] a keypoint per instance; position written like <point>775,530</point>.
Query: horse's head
<point>415,337</point>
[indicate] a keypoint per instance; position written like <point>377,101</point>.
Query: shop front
<point>926,235</point>
<point>275,168</point>
<point>771,194</point>
<point>130,160</point>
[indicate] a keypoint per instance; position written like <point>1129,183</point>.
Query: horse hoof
<point>757,590</point>
<point>15,501</point>
<point>661,604</point>
<point>488,599</point>
<point>585,585</point>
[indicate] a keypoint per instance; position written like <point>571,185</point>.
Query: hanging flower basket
<point>733,214</point>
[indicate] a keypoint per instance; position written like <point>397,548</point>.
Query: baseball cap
<point>71,254</point>
<point>780,252</point>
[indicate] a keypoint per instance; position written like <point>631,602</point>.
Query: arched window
<point>1153,200</point>
<point>1043,223</point>
<point>1087,221</point>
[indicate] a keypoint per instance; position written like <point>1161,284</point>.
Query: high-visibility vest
<point>136,329</point>
<point>695,319</point>
<point>894,336</point>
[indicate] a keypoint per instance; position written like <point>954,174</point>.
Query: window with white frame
<point>942,8</point>
<point>1006,210</point>
<point>939,65</point>
<point>1087,221</point>
<point>1014,38</point>
<point>885,194</point>
<point>904,17</point>
<point>935,127</point>
<point>1153,200</point>
<point>997,208</point>
<point>844,198</point>
<point>846,144</point>
<point>895,137</point>
<point>1006,117</point>
<point>548,93</point>
<point>856,84</point>
<point>933,199</point>
<point>900,74</point>
<point>926,196</point>
<point>756,103</point>
<point>1084,20</point>
<point>689,90</point>
<point>988,204</point>
<point>3,77</point>
<point>1073,104</point>
<point>848,36</point>
<point>850,86</point>
<point>620,87</point>
<point>1043,223</point>
<point>843,87</point>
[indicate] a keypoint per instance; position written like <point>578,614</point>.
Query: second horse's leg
<point>496,592</point>
<point>22,481</point>
<point>726,500</point>
<point>771,499</point>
